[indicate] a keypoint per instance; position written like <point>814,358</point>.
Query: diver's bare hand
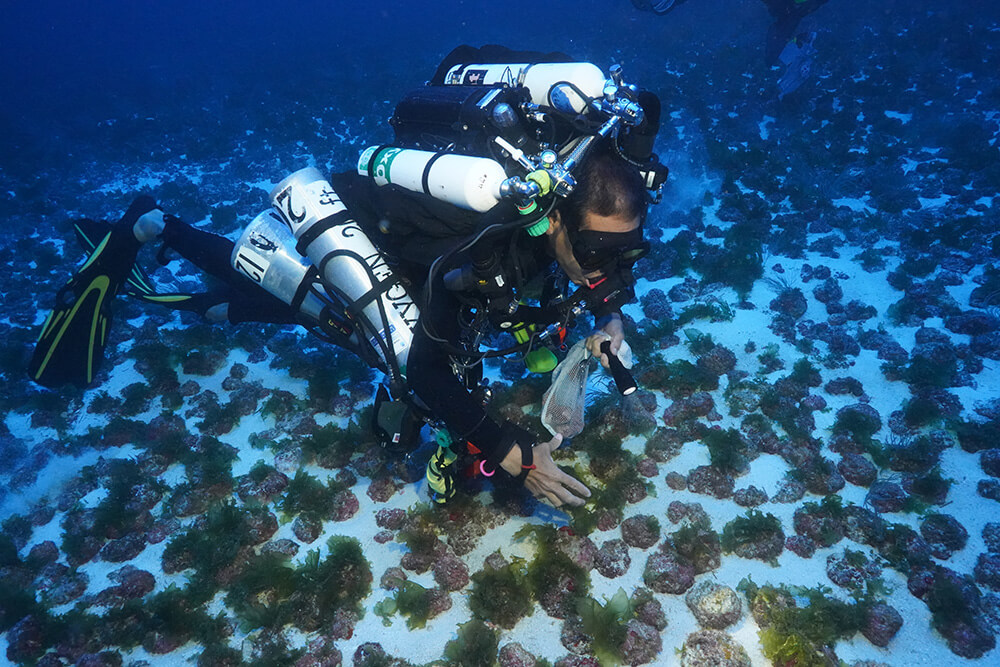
<point>547,481</point>
<point>614,331</point>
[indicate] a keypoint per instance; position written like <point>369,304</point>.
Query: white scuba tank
<point>469,182</point>
<point>346,258</point>
<point>265,253</point>
<point>539,79</point>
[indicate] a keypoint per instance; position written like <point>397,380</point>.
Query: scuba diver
<point>797,57</point>
<point>435,214</point>
<point>787,15</point>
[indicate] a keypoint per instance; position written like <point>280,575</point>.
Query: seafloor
<point>809,474</point>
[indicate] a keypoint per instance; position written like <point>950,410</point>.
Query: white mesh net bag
<point>564,401</point>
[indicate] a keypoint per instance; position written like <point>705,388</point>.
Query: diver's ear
<point>555,222</point>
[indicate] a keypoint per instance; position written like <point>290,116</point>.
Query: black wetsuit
<point>419,233</point>
<point>248,301</point>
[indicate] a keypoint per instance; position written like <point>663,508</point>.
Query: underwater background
<point>811,472</point>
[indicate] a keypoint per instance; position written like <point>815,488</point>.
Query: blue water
<point>198,103</point>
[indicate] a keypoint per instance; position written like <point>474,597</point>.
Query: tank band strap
<point>373,162</point>
<point>310,279</point>
<point>319,228</point>
<point>424,178</point>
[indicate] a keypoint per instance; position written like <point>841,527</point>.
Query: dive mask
<point>595,250</point>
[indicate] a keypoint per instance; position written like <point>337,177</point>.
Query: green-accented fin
<point>138,283</point>
<point>70,348</point>
<point>90,232</point>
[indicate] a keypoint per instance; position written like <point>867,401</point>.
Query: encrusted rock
<point>390,518</point>
<point>988,570</point>
<point>650,611</point>
<point>282,546</point>
<point>944,534</point>
<point>824,528</point>
<point>641,531</point>
<point>713,648</point>
<point>676,481</point>
<point>991,536</point>
<point>857,469</point>
<point>307,528</point>
<point>321,652</point>
<point>25,640</point>
<point>132,583</point>
<point>862,525</point>
<point>885,496</point>
<point>751,496</point>
<point>800,546</point>
<point>714,605</point>
<point>68,587</point>
<point>989,460</point>
<point>574,637</point>
<point>665,573</point>
<point>790,491</point>
<point>642,643</point>
<point>790,302</point>
<point>882,622</point>
<point>852,570</point>
<point>382,488</point>
<point>345,505</point>
<point>450,572</point>
<point>711,481</point>
<point>989,488</point>
<point>613,559</point>
<point>42,554</point>
<point>515,655</point>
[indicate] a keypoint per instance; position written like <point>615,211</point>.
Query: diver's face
<point>561,244</point>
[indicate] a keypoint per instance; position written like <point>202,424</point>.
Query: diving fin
<point>70,348</point>
<point>138,284</point>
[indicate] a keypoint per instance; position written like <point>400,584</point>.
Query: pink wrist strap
<point>482,469</point>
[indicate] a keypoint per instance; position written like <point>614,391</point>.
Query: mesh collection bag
<point>564,401</point>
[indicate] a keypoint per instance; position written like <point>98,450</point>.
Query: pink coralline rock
<point>306,528</point>
<point>390,518</point>
<point>613,559</point>
<point>42,554</point>
<point>345,505</point>
<point>124,549</point>
<point>321,652</point>
<point>852,571</point>
<point>132,583</point>
<point>161,530</point>
<point>642,643</point>
<point>882,622</point>
<point>666,573</point>
<point>515,655</point>
<point>382,489</point>
<point>450,572</point>
<point>265,490</point>
<point>640,531</point>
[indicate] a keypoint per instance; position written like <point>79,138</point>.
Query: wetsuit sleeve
<point>429,373</point>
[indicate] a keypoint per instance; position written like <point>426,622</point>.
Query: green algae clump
<point>501,595</point>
